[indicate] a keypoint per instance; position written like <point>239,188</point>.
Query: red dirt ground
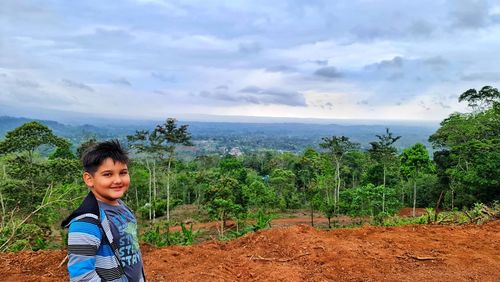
<point>301,253</point>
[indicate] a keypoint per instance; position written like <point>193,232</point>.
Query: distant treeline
<point>219,137</point>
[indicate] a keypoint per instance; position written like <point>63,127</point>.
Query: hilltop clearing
<point>301,253</point>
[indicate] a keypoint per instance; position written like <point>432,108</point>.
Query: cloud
<point>327,105</point>
<point>161,92</point>
<point>469,14</point>
<point>436,61</point>
<point>78,85</point>
<point>249,48</point>
<point>420,28</point>
<point>395,76</point>
<point>289,50</point>
<point>371,32</point>
<point>394,63</point>
<point>162,77</point>
<point>443,105</point>
<point>27,83</point>
<point>482,76</point>
<point>222,87</point>
<point>272,96</point>
<point>321,62</point>
<point>121,81</point>
<point>280,68</point>
<point>256,95</point>
<point>328,72</point>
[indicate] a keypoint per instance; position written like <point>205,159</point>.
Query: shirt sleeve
<point>84,239</point>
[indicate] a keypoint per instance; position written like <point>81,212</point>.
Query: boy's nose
<point>117,179</point>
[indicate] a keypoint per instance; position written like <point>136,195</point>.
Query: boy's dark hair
<point>95,155</point>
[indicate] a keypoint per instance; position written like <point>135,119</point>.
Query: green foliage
<point>415,160</point>
<point>262,221</point>
<point>367,200</point>
<point>282,182</point>
<point>470,149</point>
<point>481,99</point>
<point>340,180</point>
<point>259,195</point>
<point>63,151</point>
<point>395,220</point>
<point>29,137</point>
<point>187,234</point>
<point>159,235</point>
<point>84,146</point>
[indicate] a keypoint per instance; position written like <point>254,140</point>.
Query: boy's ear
<point>88,179</point>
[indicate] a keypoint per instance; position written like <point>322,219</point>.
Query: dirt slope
<point>301,253</point>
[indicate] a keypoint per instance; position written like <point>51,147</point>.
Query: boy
<point>102,237</point>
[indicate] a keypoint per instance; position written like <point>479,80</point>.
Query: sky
<point>143,59</point>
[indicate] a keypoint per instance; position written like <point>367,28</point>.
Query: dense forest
<point>40,175</point>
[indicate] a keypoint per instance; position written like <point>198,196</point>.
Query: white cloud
<point>351,59</point>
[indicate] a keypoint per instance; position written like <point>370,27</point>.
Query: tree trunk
<point>168,187</point>
<point>154,190</point>
<point>150,194</point>
<point>136,198</point>
<point>437,205</point>
<point>452,198</point>
<point>383,194</point>
<point>414,195</point>
<point>402,192</point>
<point>4,176</point>
<point>223,223</point>
<point>312,214</point>
<point>338,182</point>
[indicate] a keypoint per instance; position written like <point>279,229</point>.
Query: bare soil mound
<point>301,253</point>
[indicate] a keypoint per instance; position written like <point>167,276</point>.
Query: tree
<point>471,144</point>
<point>338,147</point>
<point>383,152</point>
<point>84,146</point>
<point>161,142</point>
<point>28,138</point>
<point>415,160</point>
<point>282,181</point>
<point>148,144</point>
<point>308,171</point>
<point>63,151</point>
<point>482,99</point>
<point>220,199</point>
<point>171,136</point>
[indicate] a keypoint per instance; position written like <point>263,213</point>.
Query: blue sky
<point>361,59</point>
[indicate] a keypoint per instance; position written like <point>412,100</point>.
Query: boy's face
<point>109,182</point>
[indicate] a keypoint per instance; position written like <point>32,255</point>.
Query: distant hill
<point>213,137</point>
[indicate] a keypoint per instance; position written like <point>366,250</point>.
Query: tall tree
<point>149,144</point>
<point>171,136</point>
<point>482,99</point>
<point>415,160</point>
<point>307,171</point>
<point>28,138</point>
<point>338,147</point>
<point>383,152</point>
<point>471,144</point>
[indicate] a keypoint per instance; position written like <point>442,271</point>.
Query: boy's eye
<point>124,173</point>
<point>107,174</point>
